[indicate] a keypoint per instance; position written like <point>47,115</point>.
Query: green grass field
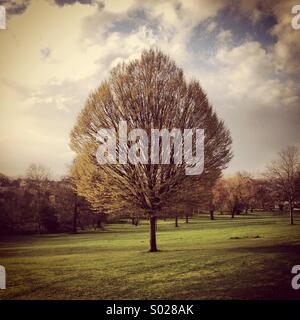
<point>248,257</point>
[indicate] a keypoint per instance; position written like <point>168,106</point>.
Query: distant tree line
<point>277,189</point>
<point>37,204</point>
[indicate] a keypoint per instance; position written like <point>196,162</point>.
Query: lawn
<point>247,257</point>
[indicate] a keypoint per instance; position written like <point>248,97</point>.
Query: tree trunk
<point>232,214</point>
<point>176,222</point>
<point>212,215</point>
<point>75,217</point>
<point>291,212</point>
<point>153,247</point>
<point>135,221</point>
<point>186,218</point>
<point>291,217</point>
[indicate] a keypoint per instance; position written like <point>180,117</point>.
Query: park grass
<point>249,257</point>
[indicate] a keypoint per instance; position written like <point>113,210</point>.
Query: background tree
<point>4,180</point>
<point>265,196</point>
<point>67,203</point>
<point>235,193</point>
<point>220,195</point>
<point>148,93</point>
<point>48,217</point>
<point>38,173</point>
<point>37,177</point>
<point>283,174</point>
<point>234,200</point>
<point>246,188</point>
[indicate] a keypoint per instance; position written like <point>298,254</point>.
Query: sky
<point>54,53</point>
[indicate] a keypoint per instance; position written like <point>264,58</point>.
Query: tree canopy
<point>150,92</point>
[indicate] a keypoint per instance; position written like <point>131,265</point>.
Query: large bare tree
<point>150,92</point>
<point>283,174</point>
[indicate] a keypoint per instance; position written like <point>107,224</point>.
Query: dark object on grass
<point>245,237</point>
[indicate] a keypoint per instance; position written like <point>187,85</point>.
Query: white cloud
<point>287,48</point>
<point>225,36</point>
<point>247,73</point>
<point>211,26</point>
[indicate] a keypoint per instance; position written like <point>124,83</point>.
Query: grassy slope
<point>197,261</point>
